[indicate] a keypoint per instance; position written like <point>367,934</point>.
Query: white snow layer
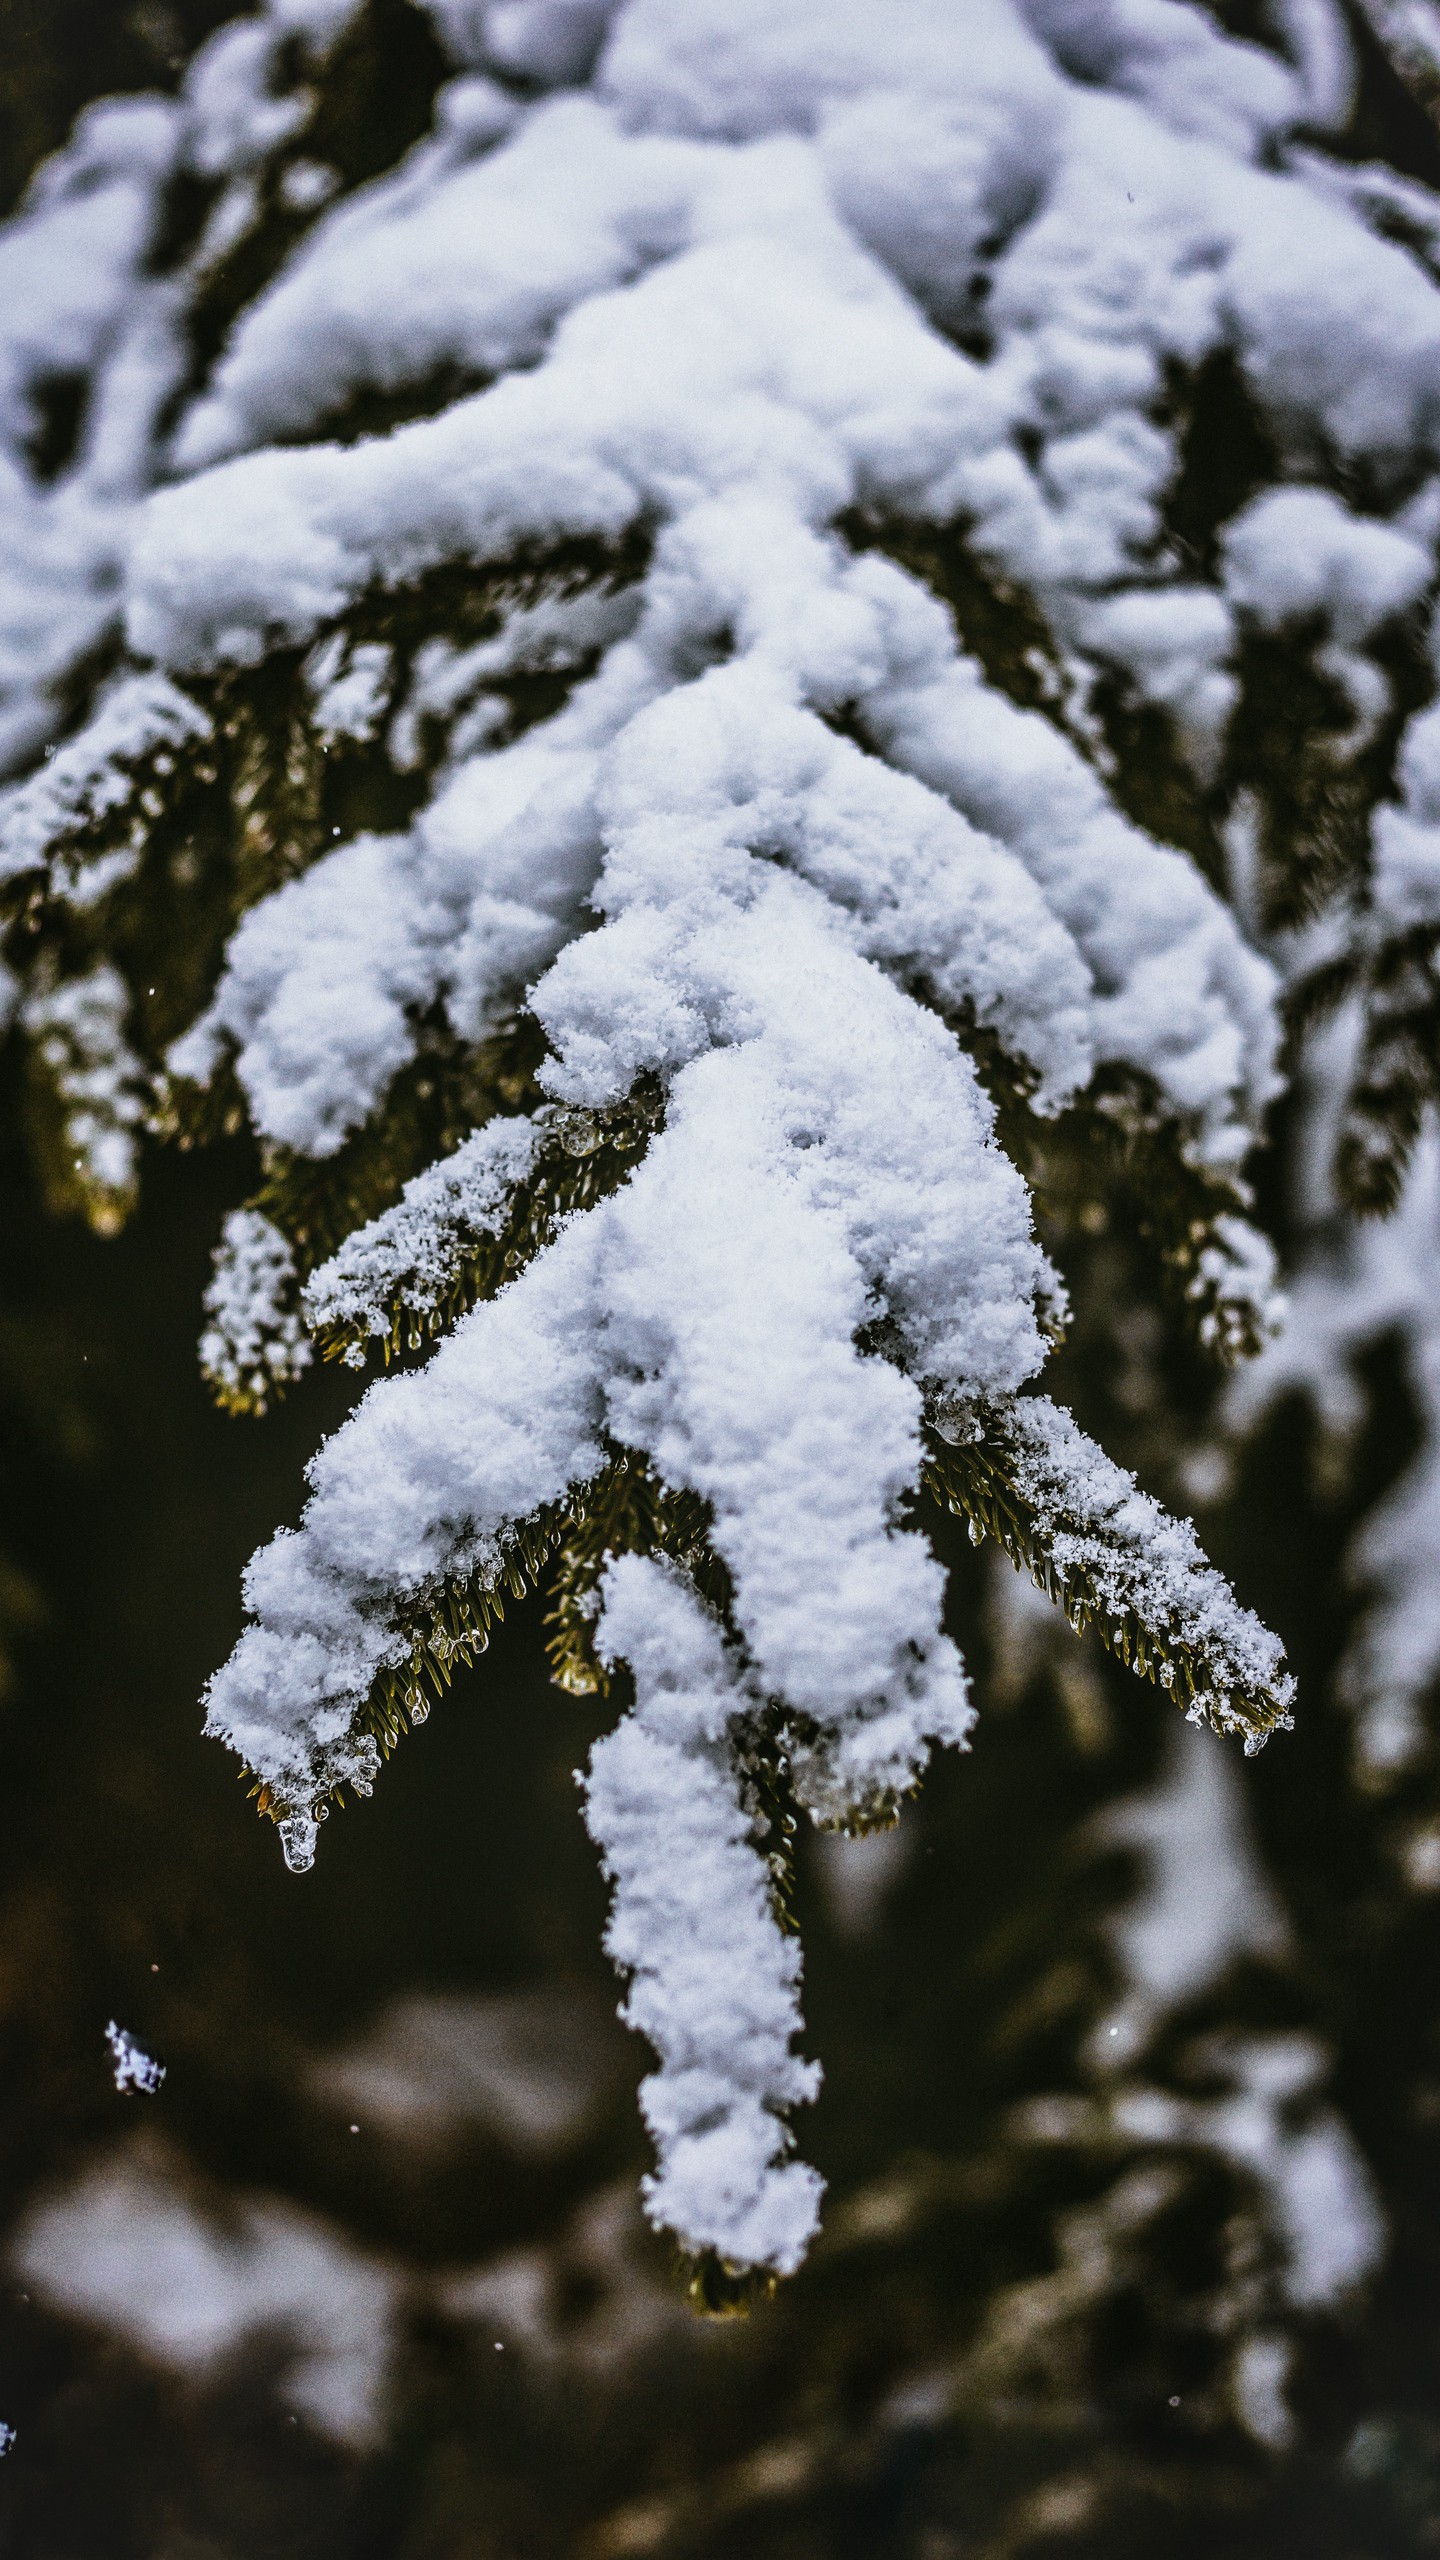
<point>714,1983</point>
<point>705,1313</point>
<point>409,1256</point>
<point>82,782</point>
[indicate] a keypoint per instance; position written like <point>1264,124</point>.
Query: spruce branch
<point>1118,1147</point>
<point>87,1093</point>
<point>1397,1072</point>
<point>1392,977</point>
<point>460,1230</point>
<point>279,747</point>
<point>1111,1559</point>
<point>1119,1150</point>
<point>624,1509</point>
<point>471,1221</point>
<point>882,645</point>
<point>253,1345</point>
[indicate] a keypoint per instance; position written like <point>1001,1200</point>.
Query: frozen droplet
<point>578,1134</point>
<point>297,1839</point>
<point>419,1712</point>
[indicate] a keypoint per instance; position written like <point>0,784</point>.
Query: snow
<point>1178,992</point>
<point>73,254</point>
<point>1205,1903</point>
<point>136,2071</point>
<point>467,265</point>
<point>323,979</point>
<point>1103,1533</point>
<point>411,1255</point>
<point>135,2248</point>
<point>1316,2186</point>
<point>419,1483</point>
<point>1262,2369</point>
<point>1200,1907</point>
<point>234,119</point>
<point>548,42</point>
<point>733,1292</point>
<point>713,1982</point>
<point>349,688</point>
<point>81,318</point>
<point>1300,551</point>
<point>91,776</point>
<point>1174,58</point>
<point>530,2069</point>
<point>78,1030</point>
<point>635,1313</point>
<point>382,926</point>
<point>253,1342</point>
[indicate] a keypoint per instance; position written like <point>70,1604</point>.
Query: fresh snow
<point>714,1984</point>
<point>136,2071</point>
<point>188,2279</point>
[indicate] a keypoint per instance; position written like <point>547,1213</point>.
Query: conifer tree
<point>748,678</point>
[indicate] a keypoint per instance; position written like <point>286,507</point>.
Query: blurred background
<point>1131,2116</point>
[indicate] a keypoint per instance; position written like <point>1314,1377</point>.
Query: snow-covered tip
<point>254,1344</point>
<point>137,2073</point>
<point>139,729</point>
<point>78,1027</point>
<point>1116,1561</point>
<point>714,1983</point>
<point>403,1264</point>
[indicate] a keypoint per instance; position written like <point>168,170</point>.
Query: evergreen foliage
<point>749,685</point>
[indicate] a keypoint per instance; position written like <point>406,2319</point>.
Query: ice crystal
<point>137,2073</point>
